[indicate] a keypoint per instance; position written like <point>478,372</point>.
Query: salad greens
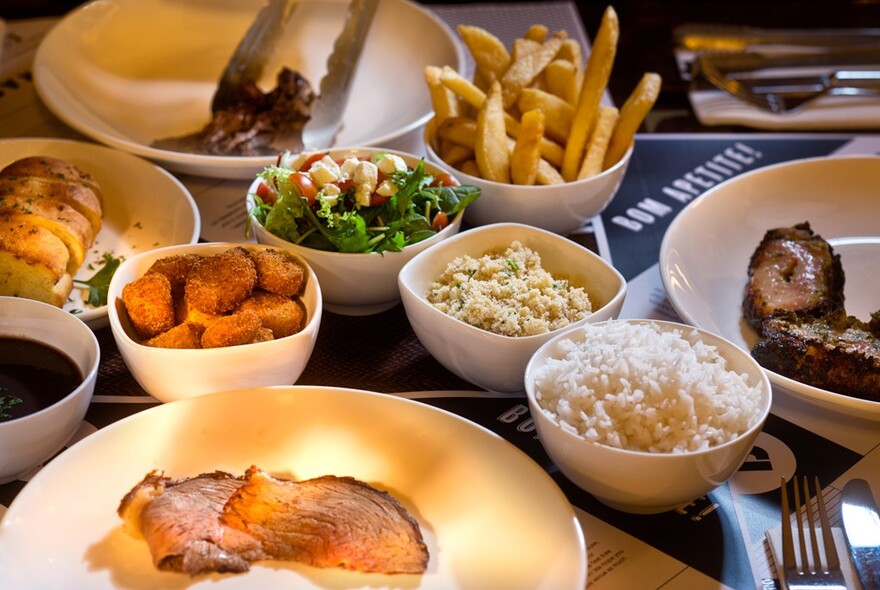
<point>340,224</point>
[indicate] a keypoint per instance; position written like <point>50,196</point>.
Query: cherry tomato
<point>376,199</point>
<point>311,160</point>
<point>266,194</point>
<point>305,185</point>
<point>345,184</point>
<point>441,220</point>
<point>445,179</point>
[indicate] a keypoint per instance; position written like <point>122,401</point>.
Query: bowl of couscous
<point>483,301</point>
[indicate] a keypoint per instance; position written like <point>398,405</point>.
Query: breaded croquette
<point>282,315</point>
<point>175,268</point>
<point>231,330</point>
<point>218,283</point>
<point>263,335</point>
<point>149,305</point>
<point>278,273</point>
<point>185,335</point>
<point>184,312</point>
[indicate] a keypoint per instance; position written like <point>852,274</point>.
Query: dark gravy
<point>35,373</point>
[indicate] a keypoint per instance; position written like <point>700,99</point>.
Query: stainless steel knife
<point>861,522</point>
<point>327,110</point>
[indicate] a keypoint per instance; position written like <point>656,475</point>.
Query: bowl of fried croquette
<point>201,318</point>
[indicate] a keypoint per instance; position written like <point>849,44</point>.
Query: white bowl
<point>638,481</point>
<point>492,361</point>
<point>559,208</point>
<point>357,284</point>
<point>170,374</point>
<point>32,439</point>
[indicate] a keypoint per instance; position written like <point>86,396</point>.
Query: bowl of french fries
<point>533,129</point>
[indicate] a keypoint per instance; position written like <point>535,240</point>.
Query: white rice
<point>635,387</point>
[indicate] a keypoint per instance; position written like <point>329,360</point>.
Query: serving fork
<point>809,572</point>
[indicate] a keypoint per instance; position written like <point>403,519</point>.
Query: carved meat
<point>328,522</point>
<point>835,352</point>
<point>218,522</point>
<point>258,124</point>
<point>793,272</point>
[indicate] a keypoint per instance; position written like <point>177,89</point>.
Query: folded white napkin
<point>774,540</point>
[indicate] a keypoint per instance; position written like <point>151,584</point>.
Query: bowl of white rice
<point>646,415</point>
<point>483,301</point>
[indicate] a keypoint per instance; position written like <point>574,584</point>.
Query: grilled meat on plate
<point>793,272</point>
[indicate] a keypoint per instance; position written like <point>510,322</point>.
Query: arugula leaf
<point>100,283</point>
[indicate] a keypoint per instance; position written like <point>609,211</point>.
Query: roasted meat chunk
<point>835,352</point>
<point>793,272</point>
<point>217,522</point>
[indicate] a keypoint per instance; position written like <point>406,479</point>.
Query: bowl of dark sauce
<point>48,367</point>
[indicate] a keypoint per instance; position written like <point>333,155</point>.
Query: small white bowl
<point>559,208</point>
<point>28,441</point>
<point>357,284</point>
<point>642,482</point>
<point>492,361</point>
<point>169,374</point>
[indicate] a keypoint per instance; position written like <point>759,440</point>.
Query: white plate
<point>145,207</point>
<point>491,517</point>
<point>128,72</point>
<point>705,253</point>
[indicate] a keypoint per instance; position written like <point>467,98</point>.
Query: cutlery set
<point>782,71</point>
<point>809,559</point>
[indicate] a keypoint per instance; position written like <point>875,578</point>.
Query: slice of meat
<point>217,522</point>
<point>836,352</point>
<point>328,522</point>
<point>793,272</point>
<point>180,521</point>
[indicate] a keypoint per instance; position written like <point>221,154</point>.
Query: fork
<point>807,573</point>
<point>838,83</point>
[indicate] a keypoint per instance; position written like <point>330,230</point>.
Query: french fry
<point>443,100</point>
<point>571,52</point>
<point>526,68</point>
<point>548,174</point>
<point>595,81</point>
<point>470,167</point>
<point>598,145</point>
<point>490,148</point>
<point>632,113</point>
<point>459,130</point>
<point>455,154</point>
<point>523,47</point>
<point>537,33</point>
<point>561,79</point>
<point>557,112</point>
<point>490,55</point>
<point>461,86</point>
<point>527,148</point>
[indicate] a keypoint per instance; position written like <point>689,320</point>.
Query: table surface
<point>624,551</point>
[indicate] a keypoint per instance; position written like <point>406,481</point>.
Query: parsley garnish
<point>100,283</point>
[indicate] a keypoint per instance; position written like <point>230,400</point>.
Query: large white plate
<point>705,253</point>
<point>128,72</point>
<point>145,207</point>
<point>491,517</point>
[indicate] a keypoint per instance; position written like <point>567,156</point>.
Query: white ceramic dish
<point>491,517</point>
<point>493,361</point>
<point>705,253</point>
<point>357,284</point>
<point>559,208</point>
<point>27,441</point>
<point>170,374</point>
<point>145,207</point>
<point>128,72</point>
<point>636,481</point>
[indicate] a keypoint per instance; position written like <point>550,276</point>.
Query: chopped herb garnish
<point>100,283</point>
<point>6,403</point>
